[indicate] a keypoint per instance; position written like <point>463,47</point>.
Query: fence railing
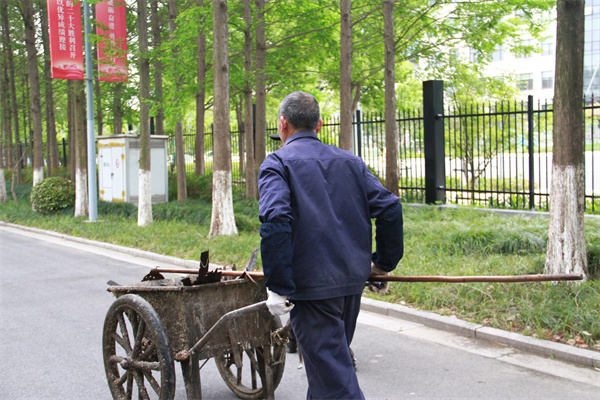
<point>496,155</point>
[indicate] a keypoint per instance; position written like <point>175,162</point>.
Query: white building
<point>534,73</point>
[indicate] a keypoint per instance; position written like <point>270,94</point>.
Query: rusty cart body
<point>153,324</point>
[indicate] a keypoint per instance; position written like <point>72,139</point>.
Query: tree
<point>566,241</point>
<point>201,93</point>
<point>222,219</point>
<point>251,178</point>
<point>80,142</point>
<point>3,196</point>
<point>34,79</point>
<point>260,123</point>
<point>346,75</point>
<point>391,130</point>
<point>51,142</point>
<point>158,68</point>
<point>179,149</point>
<point>145,178</point>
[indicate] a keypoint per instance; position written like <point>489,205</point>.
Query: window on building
<point>525,81</point>
<point>548,48</point>
<point>527,44</point>
<point>547,80</point>
<point>498,54</point>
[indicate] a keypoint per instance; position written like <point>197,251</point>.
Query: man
<point>316,205</point>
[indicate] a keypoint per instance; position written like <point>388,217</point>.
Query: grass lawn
<point>447,241</point>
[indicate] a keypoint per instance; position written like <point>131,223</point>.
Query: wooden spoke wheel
<point>137,355</point>
<point>245,371</point>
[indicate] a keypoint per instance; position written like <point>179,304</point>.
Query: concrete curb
<point>560,351</point>
<point>547,348</point>
<point>122,249</point>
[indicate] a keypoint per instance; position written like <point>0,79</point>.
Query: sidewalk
<point>545,348</point>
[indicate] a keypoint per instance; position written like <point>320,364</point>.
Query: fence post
<point>64,147</point>
<point>435,153</point>
<point>358,135</point>
<point>530,146</point>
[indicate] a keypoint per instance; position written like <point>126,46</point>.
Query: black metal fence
<point>494,155</point>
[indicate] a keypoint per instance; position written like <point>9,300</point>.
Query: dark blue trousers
<point>324,330</point>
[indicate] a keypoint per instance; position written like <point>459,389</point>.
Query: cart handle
<point>185,354</point>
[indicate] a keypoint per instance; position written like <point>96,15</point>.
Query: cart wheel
<point>137,354</point>
<point>244,381</point>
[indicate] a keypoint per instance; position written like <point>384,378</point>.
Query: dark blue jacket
<point>316,205</point>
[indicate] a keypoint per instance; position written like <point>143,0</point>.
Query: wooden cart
<point>150,326</point>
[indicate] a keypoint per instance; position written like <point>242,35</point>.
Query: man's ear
<point>284,123</point>
<point>319,125</point>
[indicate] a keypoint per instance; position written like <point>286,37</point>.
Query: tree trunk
<point>566,241</point>
<point>346,75</point>
<point>51,142</point>
<point>118,109</point>
<point>158,69</point>
<point>179,145</point>
<point>200,96</point>
<point>34,79</point>
<point>6,135</point>
<point>239,114</point>
<point>3,196</point>
<point>391,130</point>
<point>260,135</point>
<point>222,219</point>
<point>81,189</point>
<point>16,156</point>
<point>145,192</point>
<point>98,94</point>
<point>71,126</point>
<point>250,172</point>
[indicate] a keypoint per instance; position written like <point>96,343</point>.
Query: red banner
<point>66,39</point>
<point>112,49</point>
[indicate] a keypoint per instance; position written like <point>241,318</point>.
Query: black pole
<point>531,152</point>
<point>358,135</point>
<point>64,147</point>
<point>435,153</point>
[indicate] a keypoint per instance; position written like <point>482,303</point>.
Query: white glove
<point>278,304</point>
<point>379,287</point>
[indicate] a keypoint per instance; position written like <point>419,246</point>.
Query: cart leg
<point>268,365</point>
<point>191,377</point>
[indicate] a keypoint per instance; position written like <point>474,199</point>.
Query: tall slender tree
<point>222,220</point>
<point>566,241</point>
<point>158,68</point>
<point>179,145</point>
<point>28,14</point>
<point>80,141</point>
<point>391,129</point>
<point>346,74</point>
<point>250,172</point>
<point>51,141</point>
<point>201,92</point>
<point>260,124</point>
<point>145,178</point>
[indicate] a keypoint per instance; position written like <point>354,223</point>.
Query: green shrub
<point>53,194</point>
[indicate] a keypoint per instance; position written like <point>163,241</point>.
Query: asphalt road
<point>54,300</point>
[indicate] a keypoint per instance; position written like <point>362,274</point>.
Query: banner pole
<point>91,134</point>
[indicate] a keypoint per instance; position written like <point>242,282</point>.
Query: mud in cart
<point>151,325</point>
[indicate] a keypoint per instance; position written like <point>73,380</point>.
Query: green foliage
<point>53,194</point>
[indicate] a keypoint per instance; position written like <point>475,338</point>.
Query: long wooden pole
<point>393,278</point>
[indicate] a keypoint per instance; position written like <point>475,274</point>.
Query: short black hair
<point>301,110</point>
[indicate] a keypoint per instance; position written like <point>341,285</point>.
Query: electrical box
<point>118,166</point>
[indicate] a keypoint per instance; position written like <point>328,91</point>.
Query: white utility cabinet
<point>118,159</point>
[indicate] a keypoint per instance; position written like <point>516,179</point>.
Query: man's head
<point>298,111</point>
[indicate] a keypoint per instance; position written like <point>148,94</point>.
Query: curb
<point>546,348</point>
